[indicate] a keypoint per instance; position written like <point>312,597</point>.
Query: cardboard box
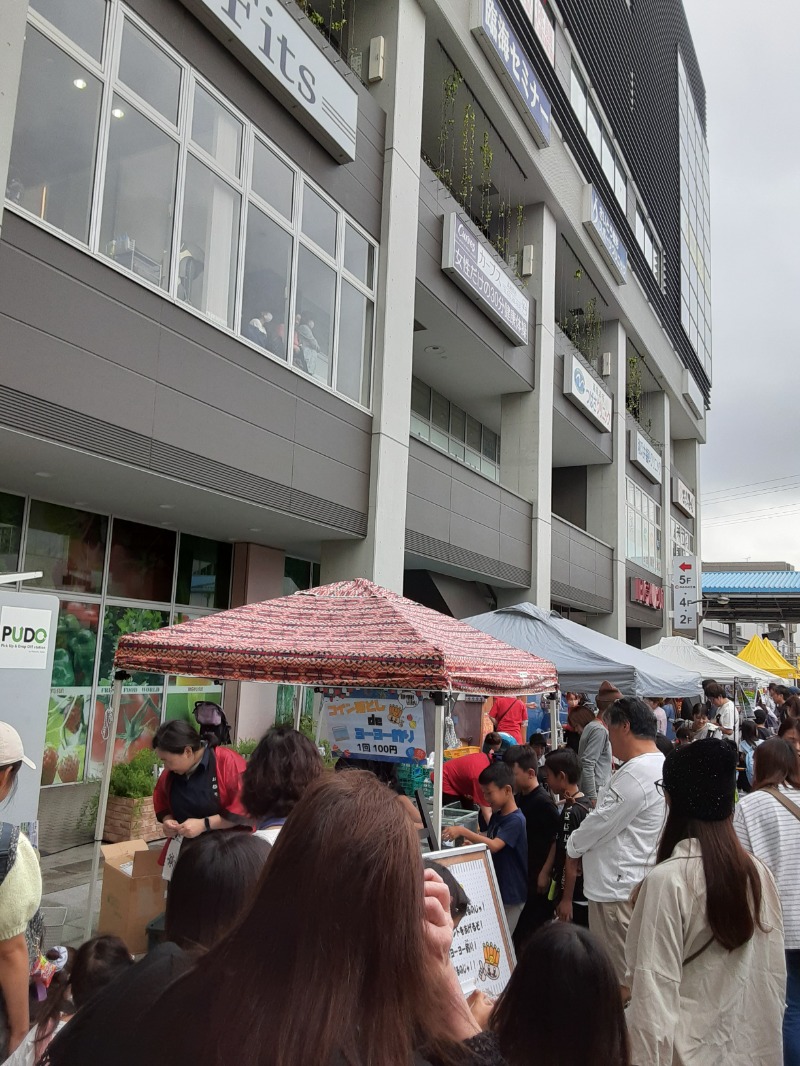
<point>133,892</point>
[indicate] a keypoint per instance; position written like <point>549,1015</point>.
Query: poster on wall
<point>378,724</point>
<point>139,718</point>
<point>184,692</point>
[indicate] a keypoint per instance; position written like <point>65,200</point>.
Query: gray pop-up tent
<point>584,658</point>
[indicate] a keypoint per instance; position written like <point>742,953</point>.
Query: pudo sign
<point>275,48</point>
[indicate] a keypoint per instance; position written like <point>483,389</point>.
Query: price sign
<point>684,592</point>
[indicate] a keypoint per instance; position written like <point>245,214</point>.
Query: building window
<point>643,545</point>
<point>695,225</point>
<point>599,136</point>
<point>682,539</point>
<point>299,574</point>
<point>646,240</point>
<point>447,427</point>
<point>187,195</point>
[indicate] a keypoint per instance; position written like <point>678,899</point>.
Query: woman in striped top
<point>767,822</point>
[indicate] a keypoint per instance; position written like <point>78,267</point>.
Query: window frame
<point>638,504</point>
<point>453,444</point>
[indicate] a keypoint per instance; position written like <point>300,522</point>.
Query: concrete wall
<point>581,569</point>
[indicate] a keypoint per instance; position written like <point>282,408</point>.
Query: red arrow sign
<point>686,566</point>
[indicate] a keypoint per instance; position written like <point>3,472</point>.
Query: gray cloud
<point>749,57</point>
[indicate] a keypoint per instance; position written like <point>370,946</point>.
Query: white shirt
<point>728,718</point>
<point>26,1053</point>
<point>771,833</point>
<point>618,840</point>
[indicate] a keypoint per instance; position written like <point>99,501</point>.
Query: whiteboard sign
<point>375,724</point>
<point>482,952</point>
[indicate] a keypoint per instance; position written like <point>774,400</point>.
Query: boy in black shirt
<point>541,822</point>
<point>563,770</point>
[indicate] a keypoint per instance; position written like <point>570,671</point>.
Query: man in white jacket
<point>617,841</point>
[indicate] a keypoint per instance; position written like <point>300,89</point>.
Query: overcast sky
<point>750,56</point>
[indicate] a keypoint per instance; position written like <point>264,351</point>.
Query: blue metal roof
<point>754,582</point>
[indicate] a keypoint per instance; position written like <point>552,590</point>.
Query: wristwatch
<point>207,824</point>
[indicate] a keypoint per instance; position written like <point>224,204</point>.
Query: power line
<point>755,517</point>
<point>751,495</point>
<point>748,485</point>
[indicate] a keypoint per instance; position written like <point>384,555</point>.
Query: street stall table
<point>349,635</point>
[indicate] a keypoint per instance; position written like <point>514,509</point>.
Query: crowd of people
<point>650,898</point>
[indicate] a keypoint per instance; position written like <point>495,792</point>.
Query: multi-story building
<point>416,290</point>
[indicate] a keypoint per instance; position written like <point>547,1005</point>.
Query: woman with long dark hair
<point>767,823</point>
<point>706,930</point>
<point>278,772</point>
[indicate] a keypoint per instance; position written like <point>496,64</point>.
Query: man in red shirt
<point>510,715</point>
<point>460,776</point>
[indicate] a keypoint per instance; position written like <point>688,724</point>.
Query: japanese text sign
<point>586,393</point>
<point>604,234</point>
<point>507,55</point>
<point>684,592</point>
<point>647,594</point>
<point>645,456</point>
<point>484,278</point>
<point>375,724</point>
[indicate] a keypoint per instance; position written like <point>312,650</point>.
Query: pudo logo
<point>24,638</point>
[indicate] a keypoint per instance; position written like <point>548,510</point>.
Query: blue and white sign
<point>604,234</point>
<point>644,456</point>
<point>484,277</point>
<point>276,49</point>
<point>375,724</point>
<point>507,56</point>
<point>587,393</point>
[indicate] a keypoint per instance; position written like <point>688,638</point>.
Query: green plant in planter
<point>245,746</point>
<point>135,779</point>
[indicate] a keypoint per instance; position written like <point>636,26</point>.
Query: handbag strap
<point>784,801</point>
<point>699,952</point>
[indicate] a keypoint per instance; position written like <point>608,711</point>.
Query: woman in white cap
<point>20,896</point>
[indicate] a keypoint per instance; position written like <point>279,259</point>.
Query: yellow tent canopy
<point>761,653</point>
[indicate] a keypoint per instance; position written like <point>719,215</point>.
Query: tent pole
<point>300,701</point>
<point>439,699</point>
<point>555,718</point>
<point>111,725</point>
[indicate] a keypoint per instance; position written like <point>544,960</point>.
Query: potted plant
<point>130,814</point>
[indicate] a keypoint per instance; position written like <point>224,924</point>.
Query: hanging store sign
<point>604,234</point>
<point>683,497</point>
<point>647,594</point>
<point>276,49</point>
<point>542,27</point>
<point>685,598</point>
<point>587,393</point>
<point>644,456</point>
<point>488,282</point>
<point>375,724</point>
<point>507,55</point>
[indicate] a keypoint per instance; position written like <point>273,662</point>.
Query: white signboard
<point>587,393</point>
<point>684,592</point>
<point>683,497</point>
<point>645,457</point>
<point>482,952</point>
<point>487,281</point>
<point>28,624</point>
<point>375,724</point>
<point>542,26</point>
<point>276,49</point>
<point>605,236</point>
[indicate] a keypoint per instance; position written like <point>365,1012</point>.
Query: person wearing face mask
<point>21,926</point>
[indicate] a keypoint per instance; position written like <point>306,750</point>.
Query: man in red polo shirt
<point>510,715</point>
<point>460,776</point>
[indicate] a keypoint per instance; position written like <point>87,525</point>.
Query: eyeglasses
<point>660,788</point>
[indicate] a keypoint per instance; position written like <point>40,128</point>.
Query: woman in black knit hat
<point>706,930</point>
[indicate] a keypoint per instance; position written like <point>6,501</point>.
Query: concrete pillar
<point>12,41</point>
<point>606,516</point>
<point>659,412</point>
<point>257,576</point>
<point>381,555</point>
<point>527,418</point>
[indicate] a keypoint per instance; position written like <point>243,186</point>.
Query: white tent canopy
<point>689,655</point>
<point>747,670</point>
<point>585,659</point>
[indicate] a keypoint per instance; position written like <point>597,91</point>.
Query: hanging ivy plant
<point>468,154</point>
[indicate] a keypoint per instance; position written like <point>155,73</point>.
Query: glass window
<point>82,22</point>
<point>440,412</point>
<point>319,220</point>
<point>297,575</point>
<point>217,131</point>
<point>267,282</point>
<point>51,169</point>
<point>12,509</point>
<point>139,194</point>
<point>117,622</point>
<point>577,96</point>
<point>420,398</point>
<point>456,449</point>
<point>639,228</point>
<point>209,243</point>
<point>359,256</point>
<point>620,186</point>
<point>314,318</point>
<point>593,130</point>
<point>149,71</point>
<point>458,423</point>
<point>68,546</point>
<point>490,442</point>
<point>272,180</point>
<point>354,359</point>
<point>607,161</point>
<point>69,707</point>
<point>204,572</point>
<point>473,433</point>
<point>142,562</point>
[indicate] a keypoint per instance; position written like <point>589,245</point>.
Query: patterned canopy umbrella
<point>351,634</point>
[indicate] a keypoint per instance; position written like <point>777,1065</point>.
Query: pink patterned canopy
<point>351,634</point>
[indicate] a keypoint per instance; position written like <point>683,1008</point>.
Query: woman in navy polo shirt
<point>200,788</point>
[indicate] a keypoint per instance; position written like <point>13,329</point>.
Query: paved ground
<point>65,895</point>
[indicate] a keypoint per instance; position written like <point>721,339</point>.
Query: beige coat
<point>724,1007</point>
